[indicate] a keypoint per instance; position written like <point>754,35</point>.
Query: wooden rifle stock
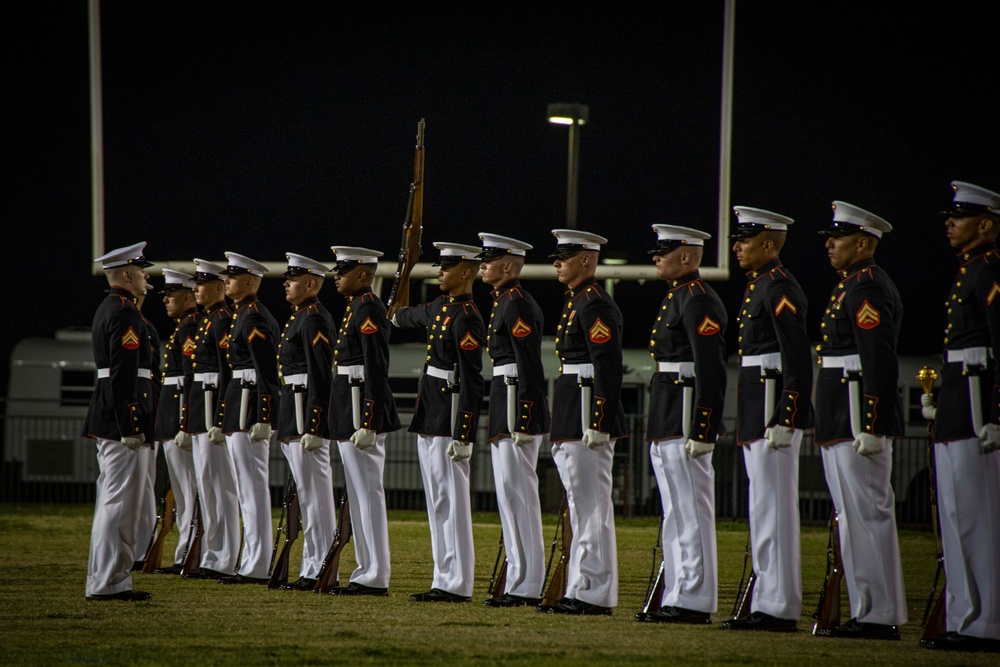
<point>827,614</point>
<point>192,558</point>
<point>410,250</point>
<point>556,588</point>
<point>154,555</point>
<point>290,516</point>
<point>498,581</point>
<point>329,575</point>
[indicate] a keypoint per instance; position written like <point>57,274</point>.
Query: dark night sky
<point>265,127</point>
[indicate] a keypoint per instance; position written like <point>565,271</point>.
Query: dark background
<point>270,127</point>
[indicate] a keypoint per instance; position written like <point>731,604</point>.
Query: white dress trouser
<point>180,468</point>
<point>774,527</point>
<point>220,510</point>
<point>449,514</point>
<point>968,496</point>
<point>369,523</point>
<point>869,545</point>
<point>145,529</point>
<point>115,514</point>
<point>592,572</point>
<point>520,515</point>
<point>687,493</point>
<point>314,484</point>
<point>250,463</point>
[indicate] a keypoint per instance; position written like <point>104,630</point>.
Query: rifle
<point>827,614</point>
<point>278,569</point>
<point>498,581</point>
<point>154,555</point>
<point>192,557</point>
<point>934,621</point>
<point>409,249</point>
<point>329,575</point>
<point>654,590</point>
<point>555,589</point>
<point>744,595</point>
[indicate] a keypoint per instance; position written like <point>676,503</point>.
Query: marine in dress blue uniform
<point>217,498</point>
<point>687,394</point>
<point>518,416</point>
<point>146,527</point>
<point>120,419</point>
<point>587,419</point>
<point>251,405</point>
<point>773,408</point>
<point>859,414</point>
<point>967,463</point>
<point>446,417</point>
<point>362,414</point>
<point>178,376</point>
<point>305,360</point>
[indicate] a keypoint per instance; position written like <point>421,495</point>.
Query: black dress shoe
<point>508,600</point>
<point>300,584</point>
<point>359,589</point>
<point>205,573</point>
<point>173,569</point>
<point>438,595</point>
<point>238,579</point>
<point>571,607</point>
<point>758,620</point>
<point>544,608</point>
<point>854,629</point>
<point>675,615</point>
<point>953,641</point>
<point>137,565</point>
<point>127,596</point>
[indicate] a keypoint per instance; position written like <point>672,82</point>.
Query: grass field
<point>44,618</point>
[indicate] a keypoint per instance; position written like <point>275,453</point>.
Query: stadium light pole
<point>574,115</point>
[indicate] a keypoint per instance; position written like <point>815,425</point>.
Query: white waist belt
<point>505,370</point>
<point>356,372</point>
<point>583,370</point>
<point>683,368</point>
<point>207,378</point>
<point>970,355</point>
<point>297,379</point>
<point>246,374</point>
<point>140,373</point>
<point>177,380</point>
<point>849,362</point>
<point>771,360</point>
<point>440,373</point>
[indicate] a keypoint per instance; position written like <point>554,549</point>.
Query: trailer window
<point>76,387</point>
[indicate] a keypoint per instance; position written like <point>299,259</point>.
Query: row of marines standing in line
<point>232,383</point>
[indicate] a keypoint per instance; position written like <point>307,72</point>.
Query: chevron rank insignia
<point>785,302</point>
<point>468,342</point>
<point>368,327</point>
<point>320,338</point>
<point>708,326</point>
<point>188,347</point>
<point>599,332</point>
<point>992,295</point>
<point>256,333</point>
<point>867,316</point>
<point>520,328</point>
<point>224,342</point>
<point>130,339</point>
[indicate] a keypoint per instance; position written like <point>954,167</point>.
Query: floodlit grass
<point>44,618</point>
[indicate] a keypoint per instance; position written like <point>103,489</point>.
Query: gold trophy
<point>927,376</point>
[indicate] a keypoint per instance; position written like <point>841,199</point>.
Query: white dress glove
<point>927,408</point>
<point>459,451</point>
<point>260,431</point>
<point>311,442</point>
<point>363,438</point>
<point>395,322</point>
<point>990,437</point>
<point>522,439</point>
<point>867,444</point>
<point>696,448</point>
<point>216,436</point>
<point>779,437</point>
<point>595,439</point>
<point>183,441</point>
<point>134,442</point>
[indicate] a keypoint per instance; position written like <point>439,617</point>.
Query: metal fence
<point>45,460</point>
